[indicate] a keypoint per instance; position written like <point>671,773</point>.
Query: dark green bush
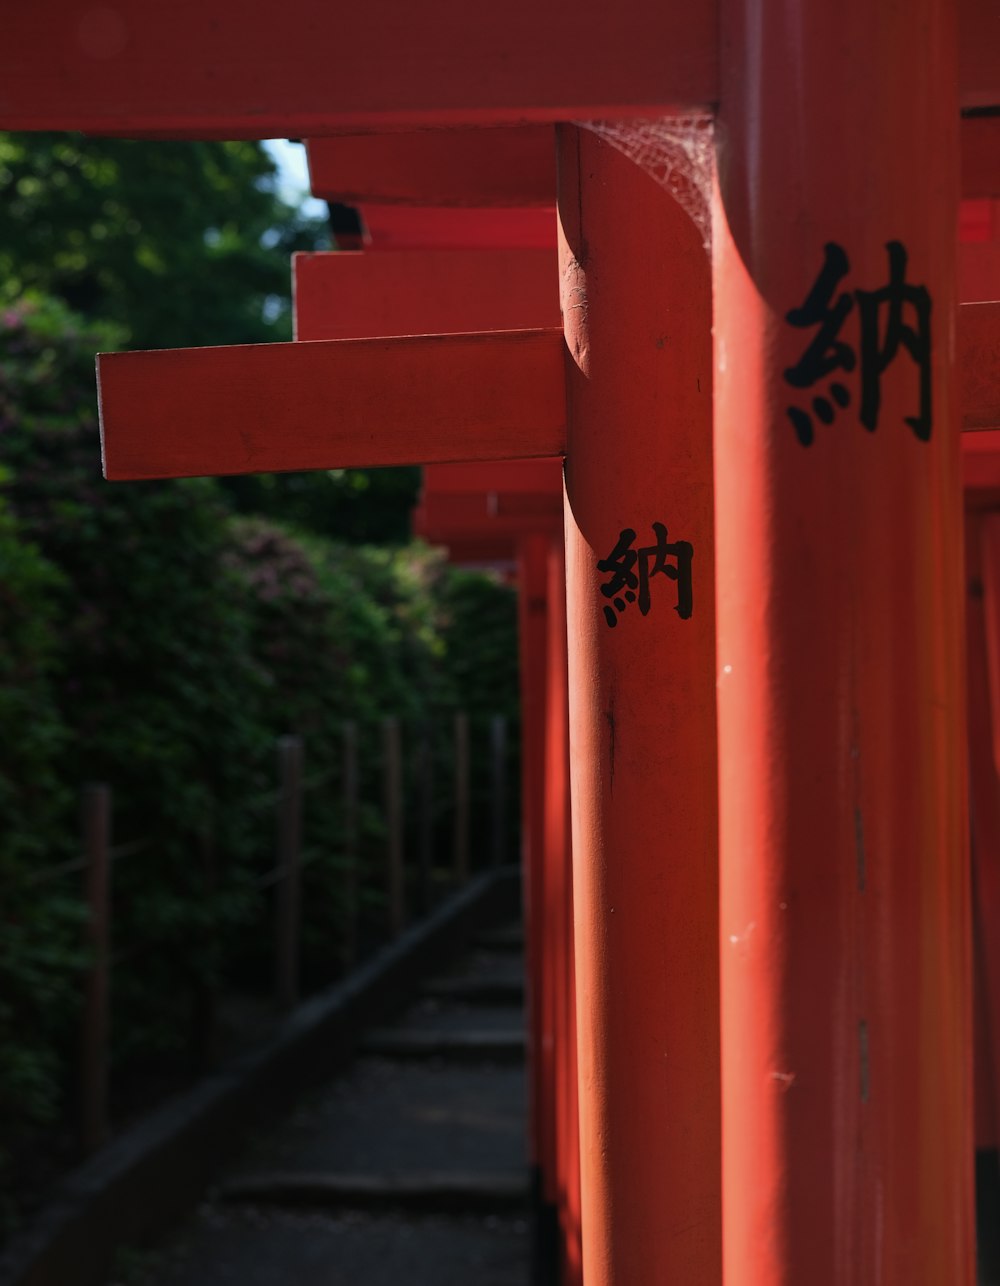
<point>157,642</point>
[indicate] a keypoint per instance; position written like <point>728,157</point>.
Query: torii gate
<point>844,970</point>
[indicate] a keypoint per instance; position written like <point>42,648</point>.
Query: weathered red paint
<point>637,309</point>
<point>844,894</point>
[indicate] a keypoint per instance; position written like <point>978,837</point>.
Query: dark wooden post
<point>206,991</point>
<point>96,826</point>
<point>425,797</point>
<point>349,939</point>
<point>395,875</point>
<point>287,892</point>
<point>461,833</point>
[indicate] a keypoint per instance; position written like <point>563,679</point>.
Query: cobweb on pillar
<point>677,152</point>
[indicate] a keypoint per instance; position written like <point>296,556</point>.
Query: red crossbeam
<point>516,476</point>
<point>515,166</point>
<point>420,292</point>
<point>456,167</point>
<point>221,69</point>
<point>340,403</point>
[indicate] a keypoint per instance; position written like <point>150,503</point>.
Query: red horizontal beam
<point>981,461</point>
<point>333,404</point>
<point>398,227</point>
<point>443,529</point>
<point>520,476</point>
<point>225,69</point>
<point>341,295</point>
<point>514,166</point>
<point>477,512</point>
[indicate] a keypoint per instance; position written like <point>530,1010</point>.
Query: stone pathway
<point>409,1168</point>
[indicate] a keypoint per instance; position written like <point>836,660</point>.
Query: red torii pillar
<point>844,880</point>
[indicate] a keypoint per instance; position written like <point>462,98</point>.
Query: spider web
<point>677,152</point>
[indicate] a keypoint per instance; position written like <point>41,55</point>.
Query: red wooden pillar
<point>533,633</point>
<point>561,958</point>
<point>844,886</point>
<point>636,304</point>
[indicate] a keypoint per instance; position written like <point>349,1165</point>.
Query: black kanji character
<point>826,353</point>
<point>621,565</point>
<point>877,353</point>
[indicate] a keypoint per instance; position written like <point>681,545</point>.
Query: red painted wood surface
<point>502,475</point>
<point>979,272</point>
<point>420,292</point>
<point>844,872</point>
<point>559,924</point>
<point>979,365</point>
<point>216,69</point>
<point>512,166</point>
<point>273,407</point>
<point>638,315</point>
<point>980,150</point>
<point>331,404</point>
<point>981,467</point>
<point>393,227</point>
<point>440,519</point>
<point>983,604</point>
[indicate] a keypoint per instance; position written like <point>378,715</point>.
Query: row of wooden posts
<point>286,878</point>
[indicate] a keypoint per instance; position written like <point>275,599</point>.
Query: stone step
<point>501,989</point>
<point>429,1192</point>
<point>508,938</point>
<point>468,1045</point>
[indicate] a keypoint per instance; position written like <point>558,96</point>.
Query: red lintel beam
<point>221,68</point>
<point>340,295</point>
<point>512,166</point>
<point>481,511</point>
<point>502,475</point>
<point>979,365</point>
<point>332,404</point>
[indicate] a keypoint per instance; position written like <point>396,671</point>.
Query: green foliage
<point>153,640</point>
<point>175,243</point>
<point>39,927</point>
<point>158,684</point>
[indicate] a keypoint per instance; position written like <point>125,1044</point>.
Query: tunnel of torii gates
<point>757,385</point>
